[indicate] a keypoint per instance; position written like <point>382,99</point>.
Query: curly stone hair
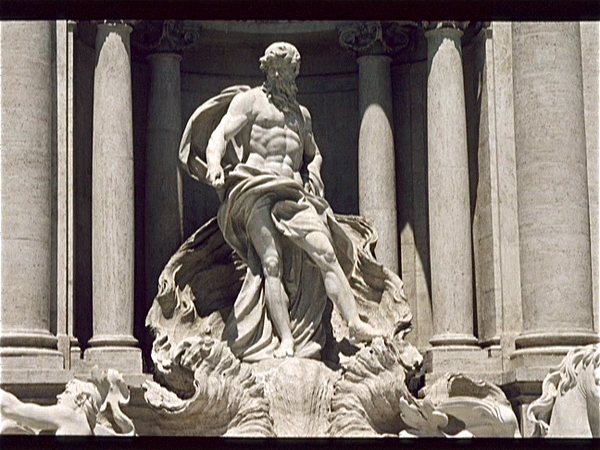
<point>92,398</point>
<point>280,51</point>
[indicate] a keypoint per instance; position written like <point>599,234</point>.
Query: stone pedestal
<point>164,226</point>
<point>376,156</point>
<point>448,181</point>
<point>27,347</point>
<point>113,344</point>
<point>554,227</point>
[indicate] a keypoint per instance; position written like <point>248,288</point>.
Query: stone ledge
<point>24,359</point>
<point>490,377</point>
<point>38,384</point>
<point>462,359</point>
<point>34,376</point>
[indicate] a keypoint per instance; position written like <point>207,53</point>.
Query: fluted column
<point>554,229</point>
<point>376,156</point>
<point>113,237</point>
<point>163,43</point>
<point>373,43</point>
<point>448,185</point>
<point>27,95</point>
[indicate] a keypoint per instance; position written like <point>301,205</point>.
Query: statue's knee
<point>326,256</point>
<point>272,267</point>
<point>329,256</point>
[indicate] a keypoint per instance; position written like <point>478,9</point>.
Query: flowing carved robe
<point>295,212</point>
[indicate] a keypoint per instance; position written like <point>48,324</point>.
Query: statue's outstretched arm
<point>312,158</point>
<point>29,414</point>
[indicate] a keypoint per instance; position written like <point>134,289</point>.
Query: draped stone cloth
<point>295,212</point>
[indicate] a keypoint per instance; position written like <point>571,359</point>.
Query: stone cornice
<point>378,38</point>
<point>165,36</point>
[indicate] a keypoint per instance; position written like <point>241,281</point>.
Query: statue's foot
<point>286,348</point>
<point>362,332</point>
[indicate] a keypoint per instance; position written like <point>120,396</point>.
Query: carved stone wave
<point>227,399</point>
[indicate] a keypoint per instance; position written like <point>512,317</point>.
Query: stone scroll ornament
<point>84,408</point>
<point>216,370</point>
<point>570,402</point>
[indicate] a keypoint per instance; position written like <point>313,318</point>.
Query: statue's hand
<point>308,187</point>
<point>215,176</point>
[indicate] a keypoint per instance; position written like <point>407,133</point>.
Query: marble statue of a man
<point>276,135</point>
<point>255,146</point>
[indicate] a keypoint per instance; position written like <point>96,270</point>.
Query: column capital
<point>444,25</point>
<point>377,37</point>
<point>165,36</point>
<point>72,26</point>
<point>130,24</point>
<point>467,30</point>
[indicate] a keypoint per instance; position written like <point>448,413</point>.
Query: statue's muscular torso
<point>274,139</point>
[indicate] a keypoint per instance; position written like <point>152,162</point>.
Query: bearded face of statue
<point>281,65</point>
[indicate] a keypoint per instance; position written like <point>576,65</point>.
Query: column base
<point>556,338</point>
<point>110,340</point>
<point>28,338</point>
<point>538,352</point>
<point>127,360</point>
<point>453,339</point>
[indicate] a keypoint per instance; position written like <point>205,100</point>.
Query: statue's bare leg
<point>317,245</point>
<point>265,239</point>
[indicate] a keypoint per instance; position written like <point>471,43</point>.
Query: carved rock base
<point>366,395</point>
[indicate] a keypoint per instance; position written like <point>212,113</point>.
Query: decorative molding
<point>378,38</point>
<point>129,23</point>
<point>438,25</point>
<point>469,29</point>
<point>165,36</point>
